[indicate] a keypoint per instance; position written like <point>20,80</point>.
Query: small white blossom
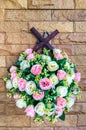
<point>20,103</point>
<point>62,91</point>
<point>30,86</point>
<point>39,108</point>
<point>15,82</point>
<point>24,64</point>
<point>52,66</point>
<point>70,101</point>
<point>54,79</point>
<point>46,58</point>
<point>9,84</point>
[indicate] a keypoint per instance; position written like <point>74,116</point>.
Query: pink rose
<point>36,69</point>
<point>58,56</point>
<point>13,75</point>
<point>77,77</point>
<point>13,69</point>
<point>22,84</point>
<point>45,84</point>
<point>59,112</point>
<point>61,103</point>
<point>30,111</point>
<point>30,56</point>
<point>61,74</point>
<point>28,51</point>
<point>38,95</point>
<point>16,96</point>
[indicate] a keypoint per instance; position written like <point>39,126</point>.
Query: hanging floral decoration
<point>44,84</point>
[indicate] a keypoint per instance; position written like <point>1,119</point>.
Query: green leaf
<point>62,117</point>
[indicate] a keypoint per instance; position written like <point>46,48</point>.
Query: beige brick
<point>1,14</point>
<point>2,4</point>
<point>82,70</point>
<point>51,26</point>
<point>3,128</point>
<point>3,72</point>
<point>11,60</point>
<point>79,108</point>
<point>12,109</point>
<point>2,37</point>
<point>81,120</point>
<point>18,120</point>
<point>2,86</point>
<point>3,120</point>
<point>3,97</point>
<point>2,61</point>
<point>69,38</point>
<point>15,4</point>
<point>80,26</point>
<point>14,120</point>
<point>77,37</point>
<point>70,120</point>
<point>2,26</point>
<point>51,4</point>
<point>28,38</point>
<point>80,49</point>
<point>82,97</point>
<point>47,128</point>
<point>28,15</point>
<point>68,49</point>
<point>79,60</point>
<point>12,49</point>
<point>69,15</point>
<point>15,26</point>
<point>71,128</point>
<point>12,128</point>
<point>80,4</point>
<point>13,38</point>
<point>2,108</point>
<point>83,84</point>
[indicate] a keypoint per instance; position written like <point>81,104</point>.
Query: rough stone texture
<point>2,38</point>
<point>16,19</point>
<point>2,61</point>
<point>80,26</point>
<point>15,4</point>
<point>69,15</point>
<point>50,4</point>
<point>61,26</point>
<point>26,15</point>
<point>81,120</point>
<point>80,4</point>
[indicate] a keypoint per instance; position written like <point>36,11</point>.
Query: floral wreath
<point>44,84</point>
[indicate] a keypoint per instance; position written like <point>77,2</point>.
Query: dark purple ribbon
<point>43,42</point>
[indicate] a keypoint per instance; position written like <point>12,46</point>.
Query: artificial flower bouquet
<point>44,84</point>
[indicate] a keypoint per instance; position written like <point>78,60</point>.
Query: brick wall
<point>16,18</point>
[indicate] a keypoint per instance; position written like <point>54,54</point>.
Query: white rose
<point>21,58</point>
<point>52,66</point>
<point>24,64</point>
<point>9,84</point>
<point>30,86</point>
<point>67,65</point>
<point>54,79</point>
<point>20,103</point>
<point>62,91</point>
<point>56,50</point>
<point>15,82</point>
<point>46,58</point>
<point>39,109</point>
<point>70,102</point>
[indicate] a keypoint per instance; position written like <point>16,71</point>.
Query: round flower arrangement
<point>45,85</point>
